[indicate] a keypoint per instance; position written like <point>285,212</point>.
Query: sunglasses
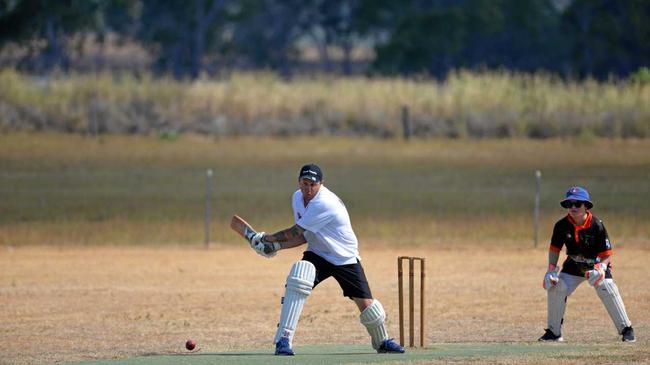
<point>576,204</point>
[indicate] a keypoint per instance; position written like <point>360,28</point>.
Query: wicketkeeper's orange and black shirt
<point>584,244</point>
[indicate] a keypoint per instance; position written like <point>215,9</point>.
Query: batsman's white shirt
<point>327,227</point>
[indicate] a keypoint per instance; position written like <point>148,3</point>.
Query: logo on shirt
<point>299,216</point>
<point>568,236</point>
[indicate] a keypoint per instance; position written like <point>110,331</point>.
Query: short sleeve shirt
<point>327,225</point>
<point>583,246</point>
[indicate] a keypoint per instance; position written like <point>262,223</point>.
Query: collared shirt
<point>585,243</point>
<point>327,225</point>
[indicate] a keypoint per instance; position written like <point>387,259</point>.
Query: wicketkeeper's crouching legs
<point>557,296</point>
<point>607,292</point>
<point>300,282</point>
<point>611,298</point>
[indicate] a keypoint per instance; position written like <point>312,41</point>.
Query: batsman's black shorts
<point>351,278</point>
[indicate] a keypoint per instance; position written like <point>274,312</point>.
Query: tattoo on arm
<point>287,234</point>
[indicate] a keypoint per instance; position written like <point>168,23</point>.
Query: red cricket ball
<point>190,345</point>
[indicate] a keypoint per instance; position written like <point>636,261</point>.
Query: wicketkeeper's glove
<point>597,275</point>
<point>551,278</point>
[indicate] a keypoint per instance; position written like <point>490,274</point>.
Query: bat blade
<point>242,227</point>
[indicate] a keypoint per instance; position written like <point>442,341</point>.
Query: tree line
<point>570,38</point>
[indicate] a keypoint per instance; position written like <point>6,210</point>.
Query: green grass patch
<point>360,354</point>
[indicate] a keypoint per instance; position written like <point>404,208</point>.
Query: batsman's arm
<point>288,238</point>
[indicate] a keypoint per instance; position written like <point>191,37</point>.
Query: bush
<point>465,105</point>
<point>641,76</point>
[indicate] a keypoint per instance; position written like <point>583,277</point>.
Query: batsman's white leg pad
<point>300,281</point>
<point>611,298</point>
<point>557,295</point>
<point>374,318</point>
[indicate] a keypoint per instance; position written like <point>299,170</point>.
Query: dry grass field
<point>101,252</point>
<point>71,303</point>
<point>59,189</point>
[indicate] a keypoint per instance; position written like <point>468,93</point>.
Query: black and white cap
<point>311,172</point>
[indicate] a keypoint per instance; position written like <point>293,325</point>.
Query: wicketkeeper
<point>322,221</point>
<point>588,259</point>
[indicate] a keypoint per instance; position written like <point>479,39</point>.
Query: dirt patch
<point>80,303</point>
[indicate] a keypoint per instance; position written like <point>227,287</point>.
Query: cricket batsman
<point>588,259</point>
<point>322,221</point>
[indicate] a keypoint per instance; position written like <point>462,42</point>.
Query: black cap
<point>311,172</point>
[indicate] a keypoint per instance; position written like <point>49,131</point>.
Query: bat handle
<point>249,234</point>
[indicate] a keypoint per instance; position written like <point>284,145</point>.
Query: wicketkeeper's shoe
<point>282,347</point>
<point>550,336</point>
<point>628,334</point>
<point>390,347</point>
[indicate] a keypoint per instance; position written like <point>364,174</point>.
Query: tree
<point>514,34</point>
<point>181,34</point>
<point>608,36</point>
<point>436,37</point>
<point>53,22</point>
<point>331,23</point>
<point>273,27</point>
<point>265,34</point>
<point>427,42</point>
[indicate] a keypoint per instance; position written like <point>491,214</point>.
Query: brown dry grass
<point>485,104</point>
<point>74,303</point>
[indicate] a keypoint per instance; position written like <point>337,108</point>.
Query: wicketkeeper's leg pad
<point>374,318</point>
<point>611,298</point>
<point>300,281</point>
<point>557,296</point>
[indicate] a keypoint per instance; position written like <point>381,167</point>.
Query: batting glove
<point>267,249</point>
<point>597,275</point>
<point>256,238</point>
<point>551,278</point>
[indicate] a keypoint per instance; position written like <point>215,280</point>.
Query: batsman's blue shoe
<point>282,347</point>
<point>390,347</point>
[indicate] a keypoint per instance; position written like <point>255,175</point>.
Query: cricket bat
<point>242,227</point>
